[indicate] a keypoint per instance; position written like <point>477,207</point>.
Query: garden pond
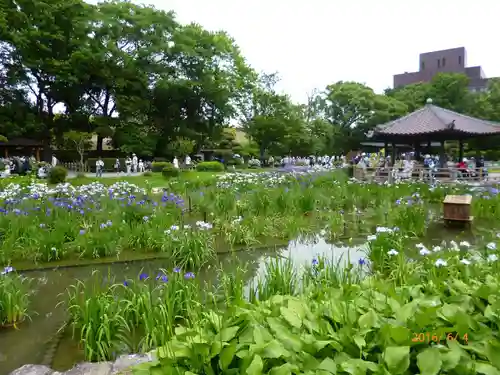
<point>44,343</point>
<point>39,338</point>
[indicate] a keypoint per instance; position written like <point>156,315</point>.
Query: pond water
<point>36,337</point>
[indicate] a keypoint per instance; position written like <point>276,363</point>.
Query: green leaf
<point>227,334</point>
<point>291,317</point>
<point>286,369</point>
<point>298,307</point>
<point>486,369</point>
<point>226,356</point>
<point>274,349</point>
<point>261,335</point>
<point>329,365</point>
<point>400,335</point>
<point>493,353</point>
<point>359,341</point>
<point>397,359</point>
<point>256,366</point>
<point>452,357</point>
<point>368,320</point>
<point>429,361</point>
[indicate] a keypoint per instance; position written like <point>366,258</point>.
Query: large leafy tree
<point>354,109</point>
<point>40,39</point>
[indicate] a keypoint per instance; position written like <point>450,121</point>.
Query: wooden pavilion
<point>21,147</point>
<point>432,123</point>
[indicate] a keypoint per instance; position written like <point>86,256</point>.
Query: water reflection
<point>34,336</point>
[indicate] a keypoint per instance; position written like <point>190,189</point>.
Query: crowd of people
<point>405,162</point>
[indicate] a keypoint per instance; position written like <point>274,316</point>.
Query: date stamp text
<point>437,338</point>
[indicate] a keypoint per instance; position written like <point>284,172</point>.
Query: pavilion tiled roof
<point>431,119</point>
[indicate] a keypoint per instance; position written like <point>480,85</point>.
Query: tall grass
<point>14,298</point>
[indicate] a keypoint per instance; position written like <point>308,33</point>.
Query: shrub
<point>157,166</point>
<point>210,166</point>
<point>147,174</point>
<point>57,175</point>
<point>254,163</point>
<point>169,171</point>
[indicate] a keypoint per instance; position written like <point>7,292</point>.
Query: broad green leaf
<point>286,369</point>
<point>256,366</point>
<point>400,335</point>
<point>359,341</point>
<point>429,361</point>
<point>291,317</point>
<point>406,312</point>
<point>451,358</point>
<point>227,355</point>
<point>298,307</point>
<point>329,365</point>
<point>486,369</point>
<point>274,349</point>
<point>448,312</point>
<point>356,366</point>
<point>397,359</point>
<point>493,353</point>
<point>261,335</point>
<point>368,320</point>
<point>227,334</point>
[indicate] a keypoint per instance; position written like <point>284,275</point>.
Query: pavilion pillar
<point>37,151</point>
<point>416,147</point>
<point>6,152</point>
<point>442,155</point>
<point>460,150</point>
<point>393,154</point>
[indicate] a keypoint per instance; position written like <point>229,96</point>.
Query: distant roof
<point>431,119</point>
<point>22,142</point>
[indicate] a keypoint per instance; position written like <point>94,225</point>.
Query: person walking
<point>99,166</point>
<point>128,165</point>
<point>134,163</point>
<point>117,166</point>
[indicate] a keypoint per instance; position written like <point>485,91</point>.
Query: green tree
<point>78,141</point>
<point>355,109</point>
<point>40,40</point>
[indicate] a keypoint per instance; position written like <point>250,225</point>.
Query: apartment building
<point>445,61</point>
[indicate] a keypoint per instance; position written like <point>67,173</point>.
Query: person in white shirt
<point>128,164</point>
<point>176,162</point>
<point>54,161</point>
<point>6,172</point>
<point>117,166</point>
<point>42,172</point>
<point>141,166</point>
<point>99,167</point>
<point>134,163</point>
<point>188,162</point>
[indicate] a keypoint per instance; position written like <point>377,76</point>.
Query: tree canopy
<point>135,76</point>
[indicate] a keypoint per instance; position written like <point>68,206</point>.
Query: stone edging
<point>119,366</point>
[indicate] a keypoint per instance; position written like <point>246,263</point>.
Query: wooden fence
<point>421,174</point>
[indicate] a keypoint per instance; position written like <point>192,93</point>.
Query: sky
<point>314,43</point>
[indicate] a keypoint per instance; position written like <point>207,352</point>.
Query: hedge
<point>210,166</point>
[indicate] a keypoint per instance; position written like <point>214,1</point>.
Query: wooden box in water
<point>457,208</point>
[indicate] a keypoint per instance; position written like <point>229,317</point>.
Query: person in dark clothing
<point>480,167</point>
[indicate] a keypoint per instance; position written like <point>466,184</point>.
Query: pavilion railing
<point>444,175</point>
<point>75,167</point>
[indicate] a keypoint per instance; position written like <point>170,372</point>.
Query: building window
<point>444,62</point>
<point>422,65</point>
<point>459,60</point>
<point>439,63</point>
